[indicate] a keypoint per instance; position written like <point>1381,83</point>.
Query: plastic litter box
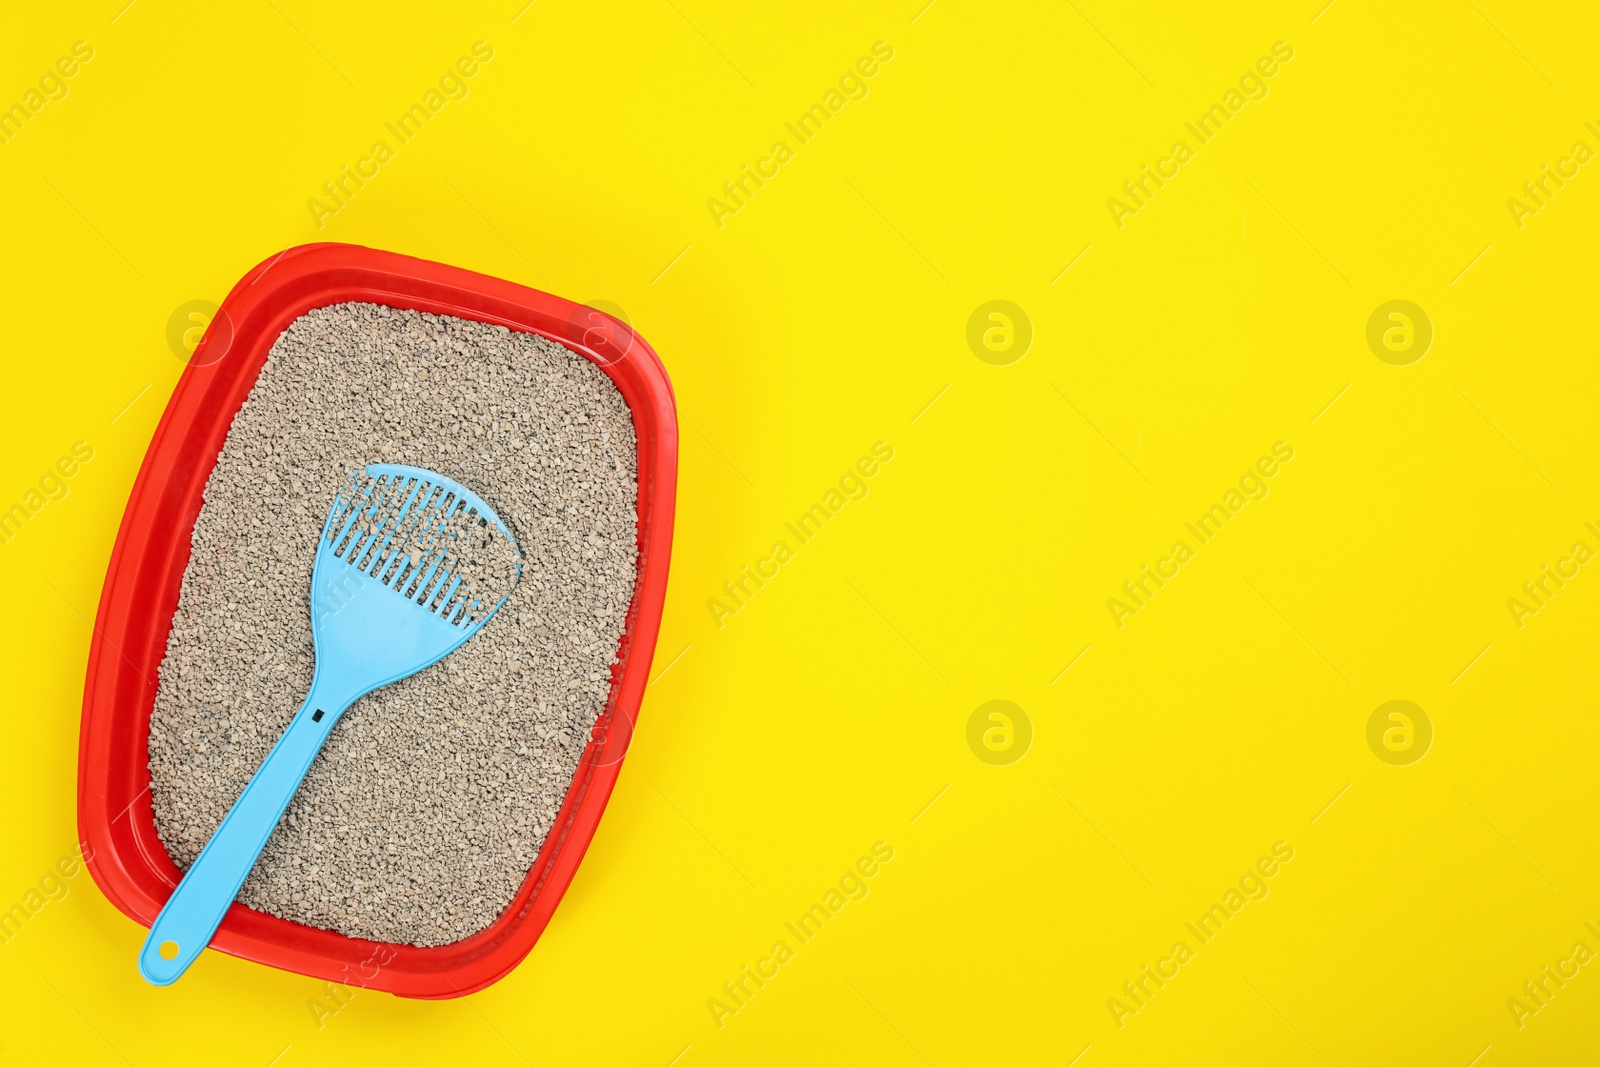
<point>140,597</point>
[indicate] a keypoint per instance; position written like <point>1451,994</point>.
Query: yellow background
<point>822,317</point>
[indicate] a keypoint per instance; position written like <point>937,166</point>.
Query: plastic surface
<point>143,578</point>
<point>366,633</point>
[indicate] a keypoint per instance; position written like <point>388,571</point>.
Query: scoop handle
<point>195,910</point>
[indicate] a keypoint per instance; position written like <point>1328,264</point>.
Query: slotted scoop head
<point>409,565</point>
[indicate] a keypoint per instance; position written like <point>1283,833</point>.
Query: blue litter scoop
<point>410,564</point>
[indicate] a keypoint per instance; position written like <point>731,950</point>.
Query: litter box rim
<point>140,597</point>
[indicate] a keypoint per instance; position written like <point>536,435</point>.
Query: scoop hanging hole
<point>168,950</point>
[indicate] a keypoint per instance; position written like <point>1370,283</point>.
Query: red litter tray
<point>115,817</point>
